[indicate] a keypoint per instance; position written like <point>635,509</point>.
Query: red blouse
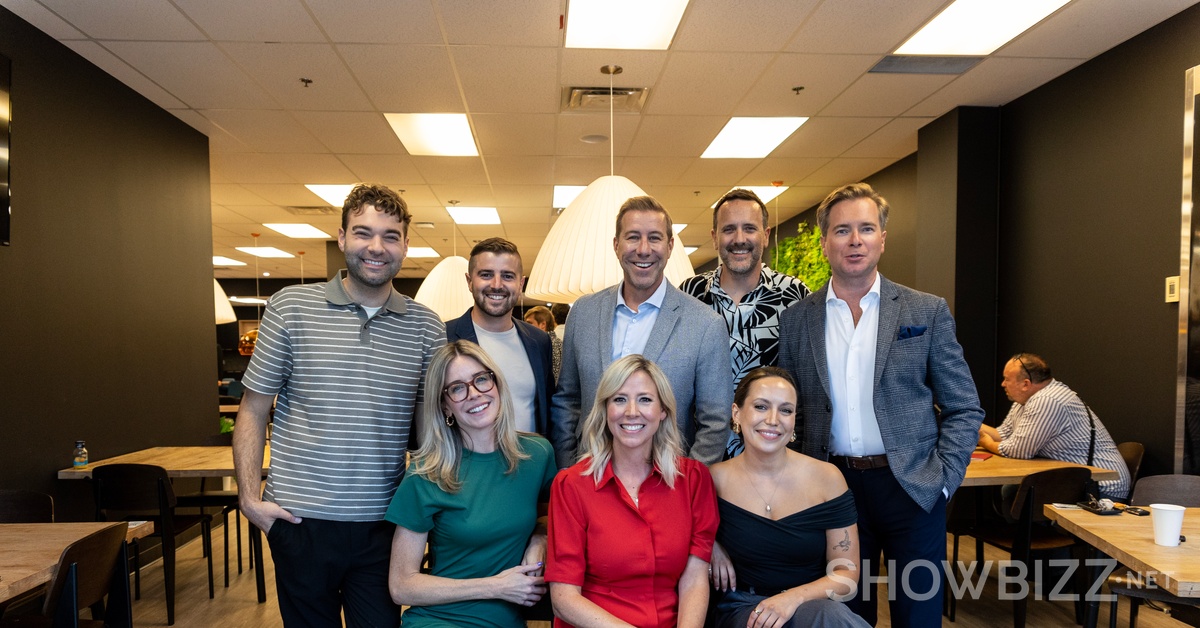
<point>628,559</point>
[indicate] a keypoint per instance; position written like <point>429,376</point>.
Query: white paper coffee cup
<point>1168,523</point>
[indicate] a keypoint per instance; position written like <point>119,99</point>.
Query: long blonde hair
<point>596,441</point>
<point>440,454</point>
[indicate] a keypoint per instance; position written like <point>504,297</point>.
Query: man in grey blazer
<point>886,396</point>
<point>645,314</point>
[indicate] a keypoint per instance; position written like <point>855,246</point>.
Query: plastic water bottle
<point>81,456</point>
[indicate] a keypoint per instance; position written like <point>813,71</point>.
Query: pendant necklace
<point>766,502</point>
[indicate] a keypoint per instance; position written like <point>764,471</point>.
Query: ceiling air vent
<point>624,99</point>
<point>318,210</point>
<point>921,64</point>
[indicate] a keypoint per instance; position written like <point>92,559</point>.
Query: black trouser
<point>323,567</point>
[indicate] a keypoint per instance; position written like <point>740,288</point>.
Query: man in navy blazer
<point>521,350</point>
<point>645,314</point>
<point>886,396</point>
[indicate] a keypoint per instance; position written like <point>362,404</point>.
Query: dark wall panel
<point>1089,228</point>
<point>107,324</point>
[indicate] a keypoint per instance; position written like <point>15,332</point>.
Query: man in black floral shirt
<point>747,294</point>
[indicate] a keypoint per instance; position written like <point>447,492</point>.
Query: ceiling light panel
<point>264,251</point>
<point>751,138</point>
<point>421,251</point>
<point>474,215</point>
<point>977,27</point>
<point>221,260</point>
<point>298,230</point>
<point>441,134</point>
<point>564,194</point>
<point>623,24</point>
<point>335,195</point>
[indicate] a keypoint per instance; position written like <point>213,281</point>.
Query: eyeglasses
<point>1028,373</point>
<point>482,381</point>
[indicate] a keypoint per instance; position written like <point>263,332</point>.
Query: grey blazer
<point>689,342</point>
<point>925,399</point>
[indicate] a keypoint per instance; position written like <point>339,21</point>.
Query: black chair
<point>227,501</point>
<point>17,506</point>
<point>1181,490</point>
<point>1032,533</point>
<point>1132,453</point>
<point>139,491</point>
<point>88,570</point>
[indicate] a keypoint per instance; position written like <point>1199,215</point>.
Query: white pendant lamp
<point>577,257</point>
<point>224,310</point>
<point>445,290</point>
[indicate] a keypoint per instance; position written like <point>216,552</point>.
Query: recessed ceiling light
<point>977,27</point>
<point>565,194</point>
<point>335,195</point>
<point>264,251</point>
<point>594,138</point>
<point>221,260</point>
<point>443,134</point>
<point>421,251</point>
<point>766,193</point>
<point>691,249</point>
<point>474,215</point>
<point>297,230</point>
<point>249,300</point>
<point>678,227</point>
<point>265,274</point>
<point>623,24</point>
<point>751,138</point>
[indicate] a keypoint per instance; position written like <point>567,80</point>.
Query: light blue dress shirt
<point>631,330</point>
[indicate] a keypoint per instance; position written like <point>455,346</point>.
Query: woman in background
<point>787,548</point>
<point>472,492</point>
<point>632,524</point>
<point>541,318</point>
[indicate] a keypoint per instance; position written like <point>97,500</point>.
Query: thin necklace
<point>765,501</point>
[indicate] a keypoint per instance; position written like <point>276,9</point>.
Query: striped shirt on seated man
<point>347,360</point>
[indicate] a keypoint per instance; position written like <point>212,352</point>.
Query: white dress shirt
<point>631,330</point>
<point>850,355</point>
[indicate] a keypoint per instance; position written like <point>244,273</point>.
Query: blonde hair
<point>596,441</point>
<point>440,453</point>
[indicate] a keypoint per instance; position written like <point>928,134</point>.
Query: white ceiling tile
<point>686,202</point>
<point>1086,28</point>
<point>508,80</point>
<point>887,95</point>
<point>803,197</point>
<point>259,21</point>
<point>405,79</point>
<point>515,196</point>
<point>266,131</point>
<point>845,170</point>
<point>389,22</point>
<point>454,170</point>
<point>391,168</point>
<point>526,222</point>
<point>219,141</point>
<point>229,194</point>
<point>195,72</point>
<point>351,132</point>
<point>787,169</point>
<point>823,77</point>
<point>514,133</point>
<point>862,26</point>
<point>705,83</point>
<point>131,19</point>
<point>675,136</point>
<point>827,136</point>
<point>639,68</point>
<point>994,82</point>
<point>118,69</point>
<point>509,170</point>
<point>285,195</point>
<point>42,18</point>
<point>744,26</point>
<point>467,195</point>
<point>247,168</point>
<point>502,23</point>
<point>581,170</point>
<point>575,125</point>
<point>278,67</point>
<point>654,170</point>
<point>306,168</point>
<point>421,201</point>
<point>897,139</point>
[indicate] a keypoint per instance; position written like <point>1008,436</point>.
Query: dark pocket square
<point>910,331</point>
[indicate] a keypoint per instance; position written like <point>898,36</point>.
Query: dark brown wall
<point>1089,228</point>
<point>106,326</point>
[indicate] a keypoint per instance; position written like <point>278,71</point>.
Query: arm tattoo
<point>844,544</point>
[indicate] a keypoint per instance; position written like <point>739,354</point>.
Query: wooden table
<point>31,550</point>
<point>998,470</point>
<point>180,462</point>
<point>1130,540</point>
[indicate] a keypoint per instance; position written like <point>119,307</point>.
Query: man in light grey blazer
<point>886,396</point>
<point>645,314</point>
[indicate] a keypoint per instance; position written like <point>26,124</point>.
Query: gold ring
<point>758,611</point>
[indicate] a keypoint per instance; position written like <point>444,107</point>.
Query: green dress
<point>477,532</point>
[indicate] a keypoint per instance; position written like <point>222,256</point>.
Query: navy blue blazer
<point>537,348</point>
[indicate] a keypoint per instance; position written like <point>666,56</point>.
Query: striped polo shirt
<point>347,387</point>
<point>1054,424</point>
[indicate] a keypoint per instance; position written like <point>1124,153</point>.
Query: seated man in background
<point>1049,420</point>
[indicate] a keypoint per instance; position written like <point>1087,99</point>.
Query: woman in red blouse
<point>631,526</point>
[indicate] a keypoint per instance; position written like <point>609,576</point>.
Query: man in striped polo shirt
<point>345,361</point>
<point>1049,420</point>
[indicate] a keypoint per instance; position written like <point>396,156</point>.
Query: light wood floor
<point>238,605</point>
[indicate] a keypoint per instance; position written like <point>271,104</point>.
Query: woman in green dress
<point>471,492</point>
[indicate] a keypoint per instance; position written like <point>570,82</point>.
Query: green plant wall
<point>801,257</point>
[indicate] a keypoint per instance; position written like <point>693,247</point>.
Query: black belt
<point>860,463</point>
